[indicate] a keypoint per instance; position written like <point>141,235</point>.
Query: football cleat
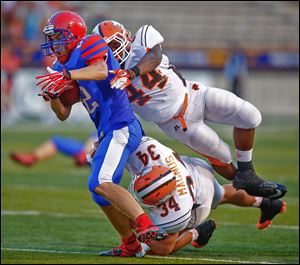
<point>148,234</point>
<point>122,251</point>
<point>269,212</point>
<point>205,231</point>
<point>24,159</point>
<point>255,186</point>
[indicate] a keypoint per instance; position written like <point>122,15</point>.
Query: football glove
<point>47,96</point>
<point>50,70</point>
<point>54,83</point>
<point>123,77</point>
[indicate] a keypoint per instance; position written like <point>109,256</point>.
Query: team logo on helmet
<point>153,187</point>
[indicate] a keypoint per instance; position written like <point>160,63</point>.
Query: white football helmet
<point>153,187</point>
<point>116,37</point>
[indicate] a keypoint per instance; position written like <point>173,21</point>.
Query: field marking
<point>38,213</point>
<point>48,251</point>
<point>147,256</point>
<point>48,187</point>
<point>217,260</point>
<point>97,214</point>
<point>293,227</point>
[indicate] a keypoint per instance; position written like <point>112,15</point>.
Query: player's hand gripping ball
<point>68,90</point>
<point>54,83</point>
<point>71,95</point>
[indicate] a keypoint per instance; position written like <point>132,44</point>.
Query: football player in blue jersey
<point>88,60</point>
<point>57,144</point>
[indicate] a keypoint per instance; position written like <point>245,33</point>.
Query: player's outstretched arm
<point>148,63</point>
<point>150,60</point>
<point>95,71</point>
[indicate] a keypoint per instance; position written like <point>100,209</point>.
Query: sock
<point>257,202</point>
<point>128,239</point>
<point>243,156</point>
<point>131,242</point>
<point>195,234</point>
<point>265,203</point>
<point>143,221</point>
<point>34,156</point>
<point>244,159</point>
<point>145,247</point>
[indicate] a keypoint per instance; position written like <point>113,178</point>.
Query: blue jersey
<point>108,108</point>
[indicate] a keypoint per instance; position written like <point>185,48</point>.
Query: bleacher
<point>211,24</point>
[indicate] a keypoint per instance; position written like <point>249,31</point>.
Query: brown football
<point>71,95</point>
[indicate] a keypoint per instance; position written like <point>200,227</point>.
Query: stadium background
<point>200,38</point>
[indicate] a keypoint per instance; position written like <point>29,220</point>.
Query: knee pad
<point>99,199</point>
<point>198,216</point>
<point>223,152</point>
<point>250,116</point>
<point>206,141</point>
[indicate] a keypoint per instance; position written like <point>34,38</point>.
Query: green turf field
<point>48,216</point>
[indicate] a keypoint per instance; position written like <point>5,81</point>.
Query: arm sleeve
<point>94,49</point>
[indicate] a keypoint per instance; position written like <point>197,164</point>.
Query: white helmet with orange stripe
<point>116,37</point>
<point>153,187</point>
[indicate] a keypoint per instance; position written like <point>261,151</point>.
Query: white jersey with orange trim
<point>158,95</point>
<point>182,111</point>
<point>192,188</point>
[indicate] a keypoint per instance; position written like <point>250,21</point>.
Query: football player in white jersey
<point>158,93</point>
<point>181,191</point>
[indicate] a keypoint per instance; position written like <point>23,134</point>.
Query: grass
<point>47,215</point>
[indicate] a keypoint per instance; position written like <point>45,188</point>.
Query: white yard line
<point>147,256</point>
<point>48,251</point>
<point>293,227</point>
<point>37,213</point>
<point>217,260</point>
<point>44,187</point>
<point>42,213</point>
